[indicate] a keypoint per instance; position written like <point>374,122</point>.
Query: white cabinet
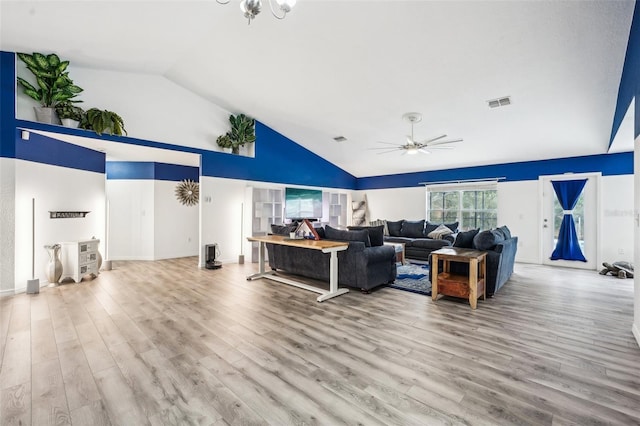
<point>79,258</point>
<point>267,208</point>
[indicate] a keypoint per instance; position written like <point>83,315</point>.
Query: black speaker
<point>210,253</point>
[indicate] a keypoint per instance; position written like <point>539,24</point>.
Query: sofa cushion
<point>379,222</point>
<point>394,228</point>
<point>404,240</point>
<point>487,240</point>
<point>342,235</point>
<point>440,232</point>
<point>376,233</point>
<point>453,226</point>
<point>428,243</point>
<point>505,232</point>
<point>412,229</point>
<point>464,239</point>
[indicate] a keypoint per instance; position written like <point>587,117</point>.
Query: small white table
<point>331,247</point>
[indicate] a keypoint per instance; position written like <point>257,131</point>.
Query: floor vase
<point>54,266</point>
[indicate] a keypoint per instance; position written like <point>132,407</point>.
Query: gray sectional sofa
<point>501,249</point>
<point>366,263</point>
<point>414,235</point>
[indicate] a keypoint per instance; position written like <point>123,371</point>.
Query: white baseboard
<point>636,332</point>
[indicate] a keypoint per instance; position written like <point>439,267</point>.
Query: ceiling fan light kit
<point>251,8</point>
<point>412,146</point>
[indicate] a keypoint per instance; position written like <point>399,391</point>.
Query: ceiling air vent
<point>495,103</point>
<point>339,139</point>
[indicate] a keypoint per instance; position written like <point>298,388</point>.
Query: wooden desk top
<point>457,253</point>
<point>324,245</point>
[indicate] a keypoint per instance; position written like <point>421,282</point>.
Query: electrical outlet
<point>620,251</point>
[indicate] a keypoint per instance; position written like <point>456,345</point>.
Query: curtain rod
<point>496,179</point>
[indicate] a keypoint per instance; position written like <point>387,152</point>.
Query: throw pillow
<point>376,233</point>
<point>380,222</point>
<point>412,229</point>
<point>430,227</point>
<point>506,232</point>
<point>487,240</point>
<point>342,235</point>
<point>440,232</point>
<point>453,226</point>
<point>282,229</point>
<point>394,228</point>
<point>465,238</point>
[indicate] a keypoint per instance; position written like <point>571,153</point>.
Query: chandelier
<point>251,8</point>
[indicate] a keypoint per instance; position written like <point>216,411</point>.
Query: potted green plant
<point>69,114</point>
<point>53,85</point>
<point>103,121</point>
<point>242,132</point>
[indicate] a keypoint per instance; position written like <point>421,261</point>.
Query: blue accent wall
<point>7,104</point>
<point>43,149</point>
<point>630,80</point>
<point>138,170</point>
<point>277,159</point>
<point>608,164</point>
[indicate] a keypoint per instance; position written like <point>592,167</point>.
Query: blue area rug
<point>414,278</point>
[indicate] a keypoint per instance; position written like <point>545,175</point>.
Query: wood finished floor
<point>165,343</point>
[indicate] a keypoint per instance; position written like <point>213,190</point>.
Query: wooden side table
<point>469,287</point>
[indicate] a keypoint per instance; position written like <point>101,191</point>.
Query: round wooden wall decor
<point>188,192</point>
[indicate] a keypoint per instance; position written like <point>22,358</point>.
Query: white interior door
<point>585,216</point>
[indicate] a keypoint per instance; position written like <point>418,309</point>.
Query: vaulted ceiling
<point>353,68</point>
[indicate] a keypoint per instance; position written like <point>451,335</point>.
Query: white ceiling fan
<point>412,146</point>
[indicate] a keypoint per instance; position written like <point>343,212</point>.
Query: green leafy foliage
<point>68,110</point>
<point>53,85</point>
<point>242,132</point>
<point>103,121</point>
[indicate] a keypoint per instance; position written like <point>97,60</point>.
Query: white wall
<point>395,203</point>
<point>7,224</point>
<point>131,219</point>
<point>519,209</point>
<point>636,232</point>
<point>152,107</point>
<point>54,189</point>
<point>176,225</point>
<point>617,218</point>
<point>221,202</point>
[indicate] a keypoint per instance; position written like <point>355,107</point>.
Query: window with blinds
<point>474,206</point>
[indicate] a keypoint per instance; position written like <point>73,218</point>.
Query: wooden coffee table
<point>469,287</point>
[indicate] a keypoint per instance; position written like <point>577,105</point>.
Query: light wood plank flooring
<point>165,343</point>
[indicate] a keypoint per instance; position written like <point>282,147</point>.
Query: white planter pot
<point>68,122</point>
<point>46,115</point>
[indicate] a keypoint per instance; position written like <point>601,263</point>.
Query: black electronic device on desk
<point>210,253</point>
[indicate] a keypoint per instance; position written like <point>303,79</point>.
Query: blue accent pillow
<point>453,226</point>
<point>342,235</point>
<point>376,233</point>
<point>412,229</point>
<point>394,228</point>
<point>465,239</point>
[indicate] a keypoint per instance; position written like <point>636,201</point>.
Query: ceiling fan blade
<point>386,148</point>
<point>389,143</point>
<point>444,142</point>
<point>423,151</point>
<point>387,152</point>
<point>428,141</point>
<point>439,147</point>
